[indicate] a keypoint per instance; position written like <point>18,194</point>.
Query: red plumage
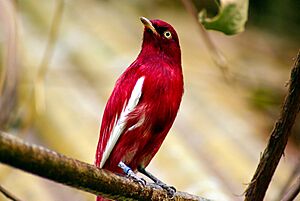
<point>147,124</point>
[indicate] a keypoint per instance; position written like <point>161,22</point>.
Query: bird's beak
<point>147,23</point>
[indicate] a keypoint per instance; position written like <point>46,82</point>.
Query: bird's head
<point>160,38</point>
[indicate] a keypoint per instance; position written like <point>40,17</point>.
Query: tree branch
<point>278,139</point>
<point>57,167</point>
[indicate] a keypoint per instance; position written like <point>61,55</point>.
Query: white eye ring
<point>167,34</point>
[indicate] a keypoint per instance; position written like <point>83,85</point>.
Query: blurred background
<point>59,61</point>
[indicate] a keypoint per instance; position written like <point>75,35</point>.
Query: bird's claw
<point>136,178</point>
<point>171,190</point>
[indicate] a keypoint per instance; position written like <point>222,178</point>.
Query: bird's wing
<point>110,135</point>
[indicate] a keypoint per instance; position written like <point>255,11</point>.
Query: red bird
<point>143,105</point>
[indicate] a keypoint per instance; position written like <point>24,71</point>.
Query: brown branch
<point>293,192</point>
<point>56,167</point>
<point>278,139</point>
<point>7,194</point>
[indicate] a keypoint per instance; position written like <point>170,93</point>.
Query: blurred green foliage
<point>276,16</point>
<point>266,99</point>
<point>231,17</point>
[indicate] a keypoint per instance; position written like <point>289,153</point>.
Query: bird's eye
<point>167,34</point>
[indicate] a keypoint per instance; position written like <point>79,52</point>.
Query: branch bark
<point>59,168</point>
<point>278,139</point>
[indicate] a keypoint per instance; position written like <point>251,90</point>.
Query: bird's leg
<point>127,170</point>
<point>170,189</point>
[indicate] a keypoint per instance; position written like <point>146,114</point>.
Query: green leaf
<point>231,18</point>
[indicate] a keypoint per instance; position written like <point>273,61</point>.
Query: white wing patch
<point>120,124</point>
<point>138,124</point>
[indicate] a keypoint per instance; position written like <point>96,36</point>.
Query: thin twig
<point>278,139</point>
<point>8,194</point>
<point>293,192</point>
<point>56,167</point>
<point>217,56</point>
<point>39,90</point>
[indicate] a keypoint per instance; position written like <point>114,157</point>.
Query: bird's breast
<point>162,93</point>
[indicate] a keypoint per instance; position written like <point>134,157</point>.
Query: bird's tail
<point>102,199</point>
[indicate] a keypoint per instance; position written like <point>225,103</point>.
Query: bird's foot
<point>157,183</point>
<point>130,174</point>
<point>171,190</point>
<point>136,178</point>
